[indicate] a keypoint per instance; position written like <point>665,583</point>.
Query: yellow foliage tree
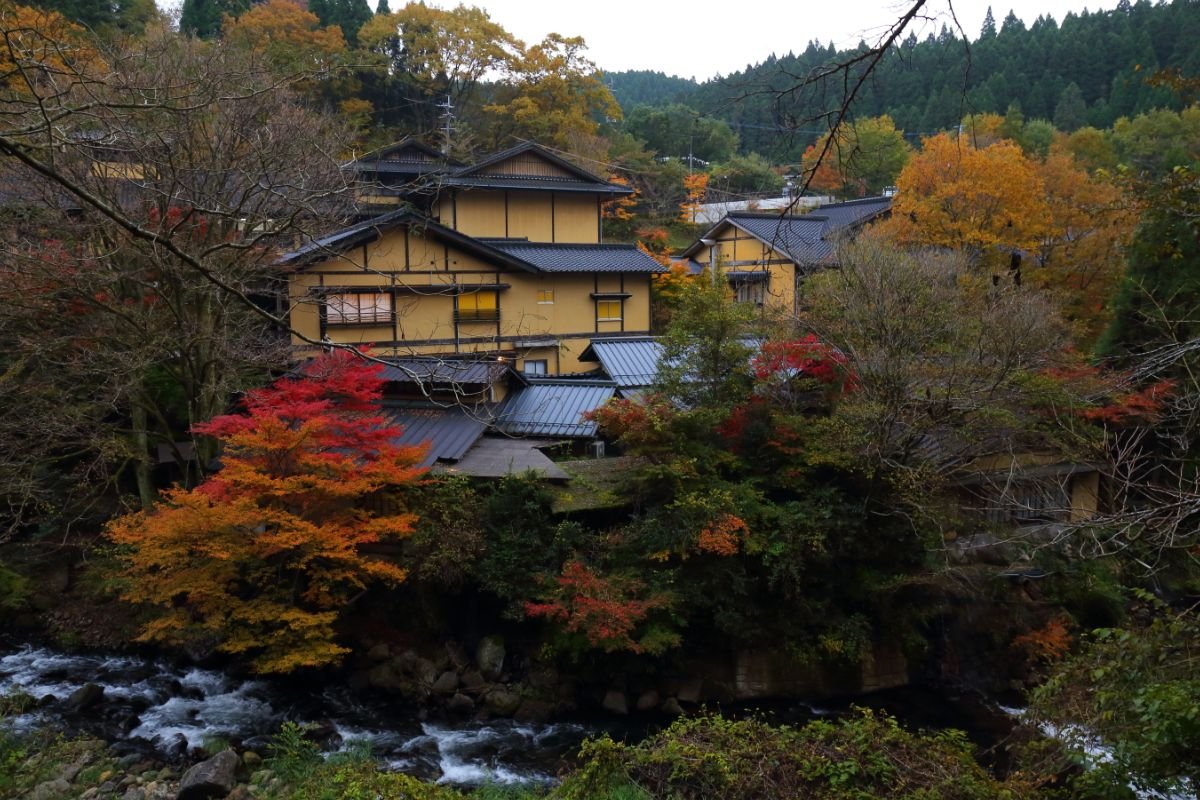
<point>554,97</point>
<point>287,32</point>
<point>1082,257</point>
<point>986,202</point>
<point>695,186</point>
<point>44,46</point>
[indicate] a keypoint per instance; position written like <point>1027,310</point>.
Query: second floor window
<point>478,307</point>
<point>608,310</point>
<point>358,308</point>
<point>536,367</point>
<point>545,297</point>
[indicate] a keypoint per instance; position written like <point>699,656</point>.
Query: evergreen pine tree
<point>383,7</point>
<point>1070,113</point>
<point>989,26</point>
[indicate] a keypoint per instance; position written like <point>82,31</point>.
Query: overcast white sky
<point>704,38</point>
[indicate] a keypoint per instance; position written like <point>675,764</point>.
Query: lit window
<point>349,309</point>
<point>538,367</point>
<point>545,297</point>
<point>608,310</point>
<point>479,307</point>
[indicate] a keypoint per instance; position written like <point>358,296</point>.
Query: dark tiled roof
<point>534,182</point>
<point>578,257</point>
<point>449,432</point>
<point>629,362</point>
<point>554,408</point>
<point>371,229</point>
<point>340,240</point>
<point>445,371</point>
<point>806,238</point>
<point>495,457</point>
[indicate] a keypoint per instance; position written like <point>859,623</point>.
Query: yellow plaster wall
<point>478,214</point>
<point>739,251</point>
<point>576,218</point>
<point>537,216</point>
<point>424,304</point>
<point>529,216</point>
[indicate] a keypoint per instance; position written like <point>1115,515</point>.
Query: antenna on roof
<point>448,120</point>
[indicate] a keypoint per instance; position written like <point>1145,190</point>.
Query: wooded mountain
<point>1089,69</point>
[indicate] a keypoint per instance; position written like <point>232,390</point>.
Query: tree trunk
<point>141,442</point>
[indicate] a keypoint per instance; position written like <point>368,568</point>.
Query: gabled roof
<point>369,230</point>
<point>448,432</point>
<point>554,407</point>
<point>409,155</point>
<point>804,238</point>
<point>566,176</point>
<point>631,361</point>
<point>578,257</point>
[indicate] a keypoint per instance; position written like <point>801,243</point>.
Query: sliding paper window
<point>481,306</point>
<point>358,308</point>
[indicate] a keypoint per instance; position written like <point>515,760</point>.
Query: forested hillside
<point>1086,69</point>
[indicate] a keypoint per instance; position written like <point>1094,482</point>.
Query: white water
<point>1096,752</point>
<point>159,706</point>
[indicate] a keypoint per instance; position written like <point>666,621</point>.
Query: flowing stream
<point>154,706</point>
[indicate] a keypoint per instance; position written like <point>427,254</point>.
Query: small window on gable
<point>358,309</point>
<point>545,297</point>
<point>535,366</point>
<point>608,310</point>
<point>481,306</point>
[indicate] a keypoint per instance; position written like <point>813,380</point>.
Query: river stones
<point>647,700</point>
<point>85,697</point>
<point>489,655</point>
<point>51,790</point>
<point>460,704</point>
<point>614,702</point>
<point>671,706</point>
<point>447,683</point>
<point>214,778</point>
<point>502,702</point>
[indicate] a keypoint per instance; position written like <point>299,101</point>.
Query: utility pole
<point>448,120</point>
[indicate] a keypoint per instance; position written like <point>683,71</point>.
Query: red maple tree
<point>262,557</point>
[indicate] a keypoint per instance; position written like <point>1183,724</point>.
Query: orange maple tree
<point>695,187</point>
<point>987,201</point>
<point>263,557</point>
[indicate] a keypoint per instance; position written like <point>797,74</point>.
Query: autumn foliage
<point>695,187</point>
<point>263,557</point>
<point>605,611</point>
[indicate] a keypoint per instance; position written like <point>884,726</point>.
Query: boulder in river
<point>502,702</point>
<point>489,655</point>
<point>214,778</point>
<point>460,704</point>
<point>614,702</point>
<point>85,697</point>
<point>447,683</point>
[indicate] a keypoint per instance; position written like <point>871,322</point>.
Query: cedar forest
<point>794,481</point>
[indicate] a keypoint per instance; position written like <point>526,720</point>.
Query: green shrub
<point>866,756</point>
<point>293,757</point>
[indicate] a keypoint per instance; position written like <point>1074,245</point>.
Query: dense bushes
<point>861,757</point>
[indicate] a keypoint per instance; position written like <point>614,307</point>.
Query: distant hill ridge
<point>1090,69</point>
